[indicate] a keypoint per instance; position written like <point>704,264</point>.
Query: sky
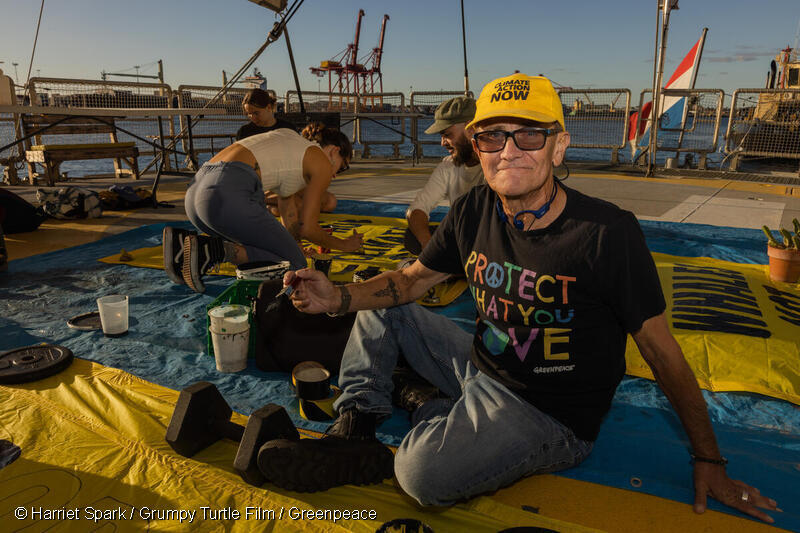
<point>579,43</point>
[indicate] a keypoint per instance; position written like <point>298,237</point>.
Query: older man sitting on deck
<point>559,280</point>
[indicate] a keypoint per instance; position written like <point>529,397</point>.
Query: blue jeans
<point>226,200</point>
<point>482,438</point>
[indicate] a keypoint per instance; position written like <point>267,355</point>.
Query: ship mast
<point>796,42</point>
<point>664,8</point>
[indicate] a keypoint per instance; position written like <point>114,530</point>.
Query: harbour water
<point>384,130</point>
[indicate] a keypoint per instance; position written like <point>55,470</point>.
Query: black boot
<point>172,246</point>
<point>201,253</point>
<point>411,390</point>
<point>348,454</point>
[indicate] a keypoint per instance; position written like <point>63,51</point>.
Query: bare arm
<point>418,224</point>
<point>318,172</point>
<point>664,356</point>
<point>315,294</point>
<point>434,191</point>
<point>290,217</point>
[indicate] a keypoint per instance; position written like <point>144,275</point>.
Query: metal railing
<point>212,133</point>
<point>81,93</point>
<point>698,127</point>
<point>387,111</point>
<point>761,123</point>
<point>67,123</point>
<point>764,123</point>
<point>344,102</point>
<point>11,157</point>
<point>67,92</point>
<point>597,118</point>
<point>426,102</point>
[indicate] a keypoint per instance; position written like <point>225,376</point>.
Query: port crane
<point>373,72</point>
<point>350,76</point>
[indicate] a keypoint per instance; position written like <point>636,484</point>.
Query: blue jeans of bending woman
<point>226,200</point>
<point>483,437</point>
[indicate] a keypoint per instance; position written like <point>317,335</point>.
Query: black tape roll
<point>320,410</point>
<point>311,381</point>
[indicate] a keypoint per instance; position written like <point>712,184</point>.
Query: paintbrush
<point>288,289</point>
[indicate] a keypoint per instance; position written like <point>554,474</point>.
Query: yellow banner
<point>383,248</point>
<point>739,330</point>
<point>94,458</point>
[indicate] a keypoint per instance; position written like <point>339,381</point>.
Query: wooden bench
<point>50,156</point>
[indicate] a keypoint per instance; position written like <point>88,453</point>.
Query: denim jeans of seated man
<point>483,437</point>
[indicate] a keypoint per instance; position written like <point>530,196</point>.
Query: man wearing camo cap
<point>455,175</point>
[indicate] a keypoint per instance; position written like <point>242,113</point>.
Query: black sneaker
<point>411,390</point>
<point>348,455</point>
<point>201,253</point>
<point>172,246</point>
<point>9,452</point>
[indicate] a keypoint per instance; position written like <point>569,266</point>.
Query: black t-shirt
<point>555,304</point>
<point>250,128</point>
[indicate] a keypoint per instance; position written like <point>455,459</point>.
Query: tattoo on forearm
<point>344,307</point>
<point>390,290</point>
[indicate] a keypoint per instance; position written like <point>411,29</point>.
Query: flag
<point>672,107</point>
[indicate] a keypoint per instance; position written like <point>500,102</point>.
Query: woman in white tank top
<point>226,201</point>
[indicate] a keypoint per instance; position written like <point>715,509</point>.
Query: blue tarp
<point>641,436</point>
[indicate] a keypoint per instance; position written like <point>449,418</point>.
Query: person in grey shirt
<point>454,176</point>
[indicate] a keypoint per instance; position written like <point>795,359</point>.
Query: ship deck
<point>679,198</point>
<point>719,200</point>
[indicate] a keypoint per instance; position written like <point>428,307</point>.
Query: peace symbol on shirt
<point>494,275</point>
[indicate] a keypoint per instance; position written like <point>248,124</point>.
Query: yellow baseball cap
<point>520,96</point>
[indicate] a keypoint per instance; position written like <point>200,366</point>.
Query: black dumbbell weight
<point>202,417</point>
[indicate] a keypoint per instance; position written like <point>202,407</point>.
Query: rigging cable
<point>18,165</point>
<point>274,34</point>
<point>35,40</point>
<point>53,124</point>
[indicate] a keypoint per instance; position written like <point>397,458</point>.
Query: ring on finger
<point>745,496</point>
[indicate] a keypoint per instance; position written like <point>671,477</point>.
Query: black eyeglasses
<point>344,168</point>
<point>528,139</point>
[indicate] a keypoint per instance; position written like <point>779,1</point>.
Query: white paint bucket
<point>230,349</point>
<point>229,318</point>
<point>230,336</point>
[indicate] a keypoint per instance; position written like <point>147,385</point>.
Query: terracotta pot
<point>784,265</point>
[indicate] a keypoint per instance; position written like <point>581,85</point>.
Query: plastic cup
<point>113,314</point>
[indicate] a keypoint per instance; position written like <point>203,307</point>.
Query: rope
<point>739,147</point>
<point>35,40</point>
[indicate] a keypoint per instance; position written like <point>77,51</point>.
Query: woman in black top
<point>259,106</point>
